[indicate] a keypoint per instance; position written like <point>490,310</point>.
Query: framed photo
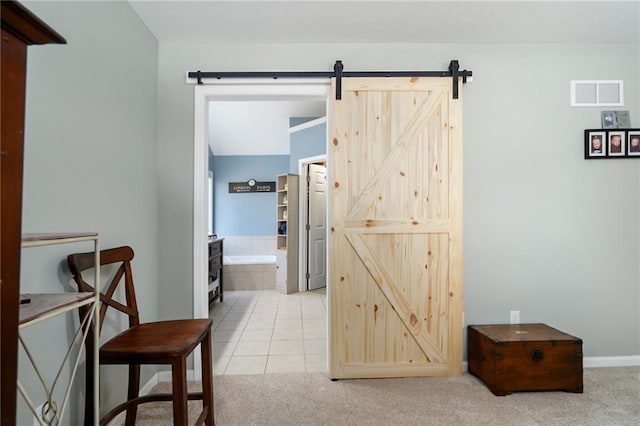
<point>633,143</point>
<point>615,144</point>
<point>623,119</point>
<point>594,144</point>
<point>608,119</point>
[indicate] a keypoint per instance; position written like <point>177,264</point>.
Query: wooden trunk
<point>524,357</point>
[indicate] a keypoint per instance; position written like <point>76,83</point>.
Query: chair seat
<point>155,342</point>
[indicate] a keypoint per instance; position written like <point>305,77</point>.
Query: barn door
<point>395,164</point>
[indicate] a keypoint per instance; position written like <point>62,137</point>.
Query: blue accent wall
<point>307,143</point>
<point>294,121</point>
<point>250,213</point>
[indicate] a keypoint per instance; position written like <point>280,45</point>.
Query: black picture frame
<point>633,143</point>
<point>609,147</point>
<point>595,144</point>
<point>616,146</point>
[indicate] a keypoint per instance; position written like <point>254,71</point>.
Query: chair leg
<point>179,385</point>
<point>207,379</point>
<point>134,389</point>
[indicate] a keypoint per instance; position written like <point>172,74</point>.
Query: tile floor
<point>262,332</point>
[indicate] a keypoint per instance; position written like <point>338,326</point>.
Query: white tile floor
<point>262,332</point>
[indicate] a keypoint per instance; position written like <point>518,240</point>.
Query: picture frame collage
<point>611,144</point>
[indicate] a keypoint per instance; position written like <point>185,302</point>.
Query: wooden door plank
<point>394,369</point>
<point>384,84</point>
<point>401,305</point>
<point>390,164</point>
<point>455,234</point>
<point>406,226</point>
<point>338,280</point>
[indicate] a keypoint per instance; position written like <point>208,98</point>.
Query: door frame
<point>244,89</point>
<point>303,243</point>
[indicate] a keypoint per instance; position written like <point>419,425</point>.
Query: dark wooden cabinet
<point>215,269</point>
<point>20,28</point>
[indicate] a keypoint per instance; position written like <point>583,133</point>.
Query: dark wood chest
<point>524,357</point>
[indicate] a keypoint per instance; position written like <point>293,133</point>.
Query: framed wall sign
<point>251,186</point>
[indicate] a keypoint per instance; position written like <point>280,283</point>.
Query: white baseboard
<point>165,376</point>
<point>162,376</point>
<point>600,361</point>
<point>611,361</point>
<point>154,380</point>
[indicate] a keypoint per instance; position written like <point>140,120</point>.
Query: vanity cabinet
<point>215,269</point>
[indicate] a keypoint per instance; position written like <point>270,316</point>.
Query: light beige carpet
<point>611,397</point>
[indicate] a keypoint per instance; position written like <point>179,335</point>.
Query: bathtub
<point>249,260</point>
<point>256,272</point>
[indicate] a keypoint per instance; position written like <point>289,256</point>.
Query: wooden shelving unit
<point>287,233</point>
<point>40,307</point>
<point>43,306</point>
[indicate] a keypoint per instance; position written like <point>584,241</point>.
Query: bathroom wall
<point>307,143</point>
<point>249,214</point>
<point>250,245</point>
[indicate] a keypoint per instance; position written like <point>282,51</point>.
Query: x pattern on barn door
<point>396,236</point>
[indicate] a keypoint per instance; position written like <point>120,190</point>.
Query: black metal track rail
<point>338,72</point>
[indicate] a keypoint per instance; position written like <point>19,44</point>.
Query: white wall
<point>90,162</point>
<point>546,232</point>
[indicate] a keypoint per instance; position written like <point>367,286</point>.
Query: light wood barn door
<point>395,177</point>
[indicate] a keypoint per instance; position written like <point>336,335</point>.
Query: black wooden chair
<point>162,342</point>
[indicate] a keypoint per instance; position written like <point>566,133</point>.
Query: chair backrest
<point>79,262</point>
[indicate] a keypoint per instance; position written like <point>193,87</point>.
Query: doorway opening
<point>313,214</point>
<point>311,90</point>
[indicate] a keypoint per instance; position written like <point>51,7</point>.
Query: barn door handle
<point>537,355</point>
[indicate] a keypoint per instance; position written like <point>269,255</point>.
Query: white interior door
<point>317,237</point>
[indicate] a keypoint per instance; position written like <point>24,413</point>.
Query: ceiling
<point>417,21</point>
<point>256,127</point>
<point>390,21</point>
